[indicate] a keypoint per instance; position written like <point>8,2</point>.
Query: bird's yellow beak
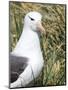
<point>40,27</point>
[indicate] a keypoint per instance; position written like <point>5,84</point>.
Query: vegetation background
<point>52,44</point>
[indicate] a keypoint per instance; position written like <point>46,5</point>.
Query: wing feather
<point>17,65</point>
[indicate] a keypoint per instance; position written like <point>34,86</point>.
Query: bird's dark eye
<point>31,18</point>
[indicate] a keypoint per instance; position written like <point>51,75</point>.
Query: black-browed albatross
<point>26,60</point>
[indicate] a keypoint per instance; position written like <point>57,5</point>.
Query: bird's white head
<point>33,20</point>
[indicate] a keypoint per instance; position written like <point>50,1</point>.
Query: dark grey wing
<point>17,65</point>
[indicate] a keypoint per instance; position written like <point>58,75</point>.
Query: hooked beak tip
<point>40,27</point>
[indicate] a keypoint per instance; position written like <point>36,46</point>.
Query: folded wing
<point>17,66</point>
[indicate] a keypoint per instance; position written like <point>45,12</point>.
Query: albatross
<point>26,60</point>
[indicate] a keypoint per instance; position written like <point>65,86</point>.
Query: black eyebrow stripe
<point>30,18</point>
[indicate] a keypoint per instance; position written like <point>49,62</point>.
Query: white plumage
<point>29,46</point>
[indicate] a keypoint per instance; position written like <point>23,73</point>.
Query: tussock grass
<point>52,44</point>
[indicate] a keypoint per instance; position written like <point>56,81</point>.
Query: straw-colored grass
<point>52,44</point>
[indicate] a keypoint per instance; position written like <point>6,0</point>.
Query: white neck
<point>28,43</point>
